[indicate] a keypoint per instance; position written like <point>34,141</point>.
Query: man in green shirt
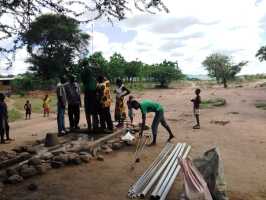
<point>147,106</point>
<point>90,102</point>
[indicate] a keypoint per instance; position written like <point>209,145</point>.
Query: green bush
<point>214,102</point>
<point>14,115</point>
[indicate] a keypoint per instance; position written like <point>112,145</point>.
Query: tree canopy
<point>17,15</point>
<point>54,42</point>
<point>222,68</point>
<point>261,54</point>
<point>118,67</point>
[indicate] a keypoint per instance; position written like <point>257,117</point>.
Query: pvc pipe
<point>142,180</point>
<point>166,171</point>
<point>167,189</point>
<point>158,173</point>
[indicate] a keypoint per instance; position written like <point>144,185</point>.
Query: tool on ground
<point>142,142</point>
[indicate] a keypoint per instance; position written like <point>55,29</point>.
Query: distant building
<point>5,85</point>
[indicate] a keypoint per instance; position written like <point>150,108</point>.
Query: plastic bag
<point>194,184</point>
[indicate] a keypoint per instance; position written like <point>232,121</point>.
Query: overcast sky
<point>191,31</point>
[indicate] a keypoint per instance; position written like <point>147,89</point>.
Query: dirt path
<point>242,144</point>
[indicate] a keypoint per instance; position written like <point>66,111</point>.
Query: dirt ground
<point>242,143</point>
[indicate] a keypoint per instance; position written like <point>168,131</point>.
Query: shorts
<point>196,111</point>
<point>28,112</point>
<point>46,110</point>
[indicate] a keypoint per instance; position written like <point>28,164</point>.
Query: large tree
<point>132,70</point>
<point>261,54</point>
<point>54,42</point>
<point>222,68</point>
<point>116,66</point>
<point>166,72</point>
<point>17,15</point>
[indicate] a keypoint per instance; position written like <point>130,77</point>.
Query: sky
<point>188,34</point>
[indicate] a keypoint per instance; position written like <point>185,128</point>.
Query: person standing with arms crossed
<point>147,106</point>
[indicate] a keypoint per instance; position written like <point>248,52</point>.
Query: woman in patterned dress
<point>120,109</point>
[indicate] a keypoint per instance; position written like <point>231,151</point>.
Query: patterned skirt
<point>120,109</point>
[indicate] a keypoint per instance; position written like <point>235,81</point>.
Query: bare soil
<point>242,144</point>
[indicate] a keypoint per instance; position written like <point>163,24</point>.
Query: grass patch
<point>214,102</point>
<point>36,103</point>
<point>14,115</point>
<point>261,105</point>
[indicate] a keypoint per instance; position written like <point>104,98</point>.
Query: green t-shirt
<point>89,81</point>
<point>147,106</point>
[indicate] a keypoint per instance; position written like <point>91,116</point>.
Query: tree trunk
<point>225,82</point>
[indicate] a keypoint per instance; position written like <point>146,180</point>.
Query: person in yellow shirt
<point>104,103</point>
<point>46,105</point>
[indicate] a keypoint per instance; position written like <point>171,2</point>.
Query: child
<point>4,127</point>
<point>196,105</point>
<point>46,107</point>
<point>27,108</point>
<point>130,110</point>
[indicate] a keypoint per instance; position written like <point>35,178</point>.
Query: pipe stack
<point>161,174</point>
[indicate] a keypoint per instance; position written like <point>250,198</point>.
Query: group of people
<point>97,100</point>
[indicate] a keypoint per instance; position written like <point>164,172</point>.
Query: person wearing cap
<point>147,106</point>
<point>4,127</point>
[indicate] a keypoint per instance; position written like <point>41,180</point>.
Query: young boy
<point>130,110</point>
<point>196,105</point>
<point>27,108</point>
<point>4,127</point>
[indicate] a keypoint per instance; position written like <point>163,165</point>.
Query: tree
<point>261,54</point>
<point>166,72</point>
<point>132,70</point>
<point>17,15</point>
<point>222,68</point>
<point>54,42</point>
<point>116,66</point>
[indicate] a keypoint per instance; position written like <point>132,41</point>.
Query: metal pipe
<point>158,173</point>
<point>167,189</point>
<point>170,173</point>
<point>148,176</point>
<point>133,189</point>
<point>164,175</point>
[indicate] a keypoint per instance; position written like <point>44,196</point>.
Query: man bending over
<point>147,106</point>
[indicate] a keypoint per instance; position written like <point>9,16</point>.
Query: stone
<point>56,164</point>
<point>83,153</point>
<point>77,161</point>
<point>105,146</point>
<point>108,150</point>
<point>32,150</point>
<point>11,171</point>
<point>27,172</point>
<point>85,158</point>
<point>64,158</point>
<point>41,169</point>
<point>32,187</point>
<point>117,146</point>
<point>46,156</point>
<point>35,161</point>
<point>15,179</point>
<point>58,152</point>
<point>74,158</point>
<point>3,176</point>
<point>25,155</point>
<point>100,158</point>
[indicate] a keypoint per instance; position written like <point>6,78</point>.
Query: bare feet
<point>170,138</point>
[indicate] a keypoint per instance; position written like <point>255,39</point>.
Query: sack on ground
<point>211,168</point>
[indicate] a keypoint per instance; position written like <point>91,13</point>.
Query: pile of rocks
<point>36,163</point>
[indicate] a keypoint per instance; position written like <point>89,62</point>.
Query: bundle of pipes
<point>165,168</point>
